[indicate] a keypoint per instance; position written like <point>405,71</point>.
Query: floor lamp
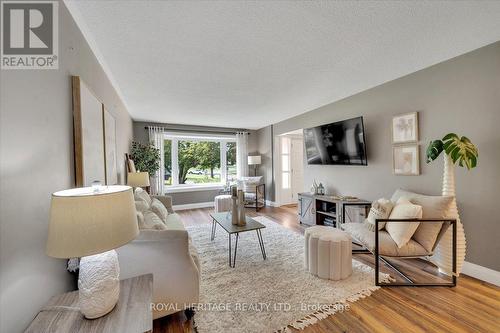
<point>254,160</point>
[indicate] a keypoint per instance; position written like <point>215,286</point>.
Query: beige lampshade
<point>138,179</point>
<point>88,220</point>
<point>252,160</point>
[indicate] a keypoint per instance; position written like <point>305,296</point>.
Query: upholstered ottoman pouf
<point>222,203</point>
<point>328,252</point>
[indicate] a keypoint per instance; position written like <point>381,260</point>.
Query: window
<point>199,160</point>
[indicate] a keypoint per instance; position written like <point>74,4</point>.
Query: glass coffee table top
<point>224,220</point>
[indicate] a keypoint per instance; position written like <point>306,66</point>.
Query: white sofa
<point>172,259</point>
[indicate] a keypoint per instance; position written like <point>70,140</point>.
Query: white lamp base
<point>99,284</point>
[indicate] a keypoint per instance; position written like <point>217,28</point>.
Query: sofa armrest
<point>165,254</point>
<point>166,200</point>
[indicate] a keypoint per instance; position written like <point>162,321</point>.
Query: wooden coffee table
<point>224,220</point>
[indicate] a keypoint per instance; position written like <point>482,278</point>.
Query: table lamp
<point>90,222</point>
<point>254,160</point>
<point>138,179</point>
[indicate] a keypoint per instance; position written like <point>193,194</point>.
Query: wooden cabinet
<point>329,210</point>
<point>307,213</point>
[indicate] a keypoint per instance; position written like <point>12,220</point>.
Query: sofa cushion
<point>433,207</point>
<point>141,206</point>
<point>159,209</point>
<point>152,221</point>
<point>381,209</point>
<point>140,194</point>
<point>174,222</point>
<point>401,232</point>
<point>387,246</point>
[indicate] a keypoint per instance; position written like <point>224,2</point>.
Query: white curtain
<point>156,139</point>
<point>241,154</point>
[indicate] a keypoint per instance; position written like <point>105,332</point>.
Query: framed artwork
<point>405,160</point>
<point>109,124</point>
<point>405,128</point>
<point>88,135</point>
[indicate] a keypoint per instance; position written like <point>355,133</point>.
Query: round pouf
<point>98,284</point>
<point>328,252</point>
<point>222,203</point>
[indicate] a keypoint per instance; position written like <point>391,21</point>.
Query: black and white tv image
<point>339,143</point>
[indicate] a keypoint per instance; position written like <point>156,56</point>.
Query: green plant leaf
<point>461,150</point>
<point>434,150</point>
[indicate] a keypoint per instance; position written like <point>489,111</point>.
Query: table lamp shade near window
<point>138,179</point>
<point>85,222</point>
<point>253,160</point>
<point>90,222</point>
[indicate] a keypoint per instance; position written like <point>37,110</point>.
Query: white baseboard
<point>481,273</point>
<point>194,205</point>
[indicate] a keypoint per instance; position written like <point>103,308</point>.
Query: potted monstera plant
<point>461,151</point>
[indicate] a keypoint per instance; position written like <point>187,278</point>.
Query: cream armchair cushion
<point>401,232</point>
<point>159,209</point>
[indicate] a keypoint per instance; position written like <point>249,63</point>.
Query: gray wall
<point>461,95</point>
<point>264,142</point>
<point>192,197</point>
<point>36,159</point>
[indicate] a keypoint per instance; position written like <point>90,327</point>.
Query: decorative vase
<point>443,255</point>
<point>234,210</point>
<point>241,208</point>
<point>98,284</point>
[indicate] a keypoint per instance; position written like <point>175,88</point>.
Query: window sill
<point>193,188</point>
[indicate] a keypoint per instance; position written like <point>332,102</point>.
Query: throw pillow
<point>433,207</point>
<point>401,232</point>
<point>141,206</point>
<point>159,209</point>
<point>140,194</point>
<point>152,221</point>
<point>381,209</point>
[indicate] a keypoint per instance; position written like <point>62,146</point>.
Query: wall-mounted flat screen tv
<point>339,143</point>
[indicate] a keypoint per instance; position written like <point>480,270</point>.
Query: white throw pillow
<point>433,207</point>
<point>141,206</point>
<point>152,221</point>
<point>140,194</point>
<point>401,232</point>
<point>159,209</point>
<point>381,209</point>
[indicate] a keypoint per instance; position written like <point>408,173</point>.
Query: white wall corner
<point>193,205</point>
<point>481,273</point>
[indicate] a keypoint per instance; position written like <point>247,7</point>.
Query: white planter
<point>443,257</point>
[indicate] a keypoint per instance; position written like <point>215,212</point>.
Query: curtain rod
<point>229,131</point>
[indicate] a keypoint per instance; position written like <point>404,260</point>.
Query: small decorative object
<point>241,208</point>
<point>405,128</point>
<point>314,187</point>
<point>463,151</point>
<point>321,189</point>
<point>406,160</point>
<point>89,224</point>
<point>234,205</point>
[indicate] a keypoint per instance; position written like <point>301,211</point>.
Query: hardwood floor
<point>472,306</point>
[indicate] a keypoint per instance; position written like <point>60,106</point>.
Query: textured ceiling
<point>249,64</point>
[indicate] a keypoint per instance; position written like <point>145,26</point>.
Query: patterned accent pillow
<point>152,221</point>
<point>140,194</point>
<point>381,209</point>
<point>159,209</point>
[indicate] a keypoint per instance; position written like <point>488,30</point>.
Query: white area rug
<point>266,296</point>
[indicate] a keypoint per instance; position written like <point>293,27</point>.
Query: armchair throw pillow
<point>381,209</point>
<point>401,232</point>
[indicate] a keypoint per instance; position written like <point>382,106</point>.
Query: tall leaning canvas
<point>88,135</point>
<point>109,124</point>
